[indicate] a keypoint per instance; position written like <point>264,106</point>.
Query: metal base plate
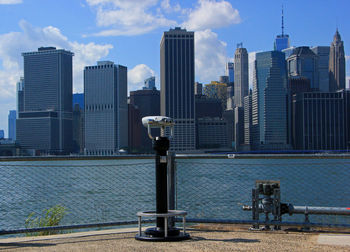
<point>179,237</point>
<point>156,234</point>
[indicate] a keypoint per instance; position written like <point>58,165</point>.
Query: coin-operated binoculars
<point>162,232</point>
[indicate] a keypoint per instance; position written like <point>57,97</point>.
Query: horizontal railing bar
<point>277,223</point>
<point>78,226</point>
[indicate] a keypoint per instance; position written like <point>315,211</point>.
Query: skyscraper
<point>336,64</point>
<point>230,71</point>
<point>323,67</point>
<point>177,86</point>
<point>12,125</point>
<point>269,119</point>
<point>217,90</point>
<point>147,103</point>
<point>282,40</point>
<point>20,96</point>
<point>304,63</point>
<point>241,75</point>
<point>106,111</point>
<point>45,124</point>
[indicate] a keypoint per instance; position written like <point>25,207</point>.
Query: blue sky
<point>128,32</point>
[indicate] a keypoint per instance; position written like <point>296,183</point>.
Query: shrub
<point>49,218</point>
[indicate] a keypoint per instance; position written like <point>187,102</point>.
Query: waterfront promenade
<point>204,238</point>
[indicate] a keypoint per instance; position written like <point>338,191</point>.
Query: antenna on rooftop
<point>282,23</point>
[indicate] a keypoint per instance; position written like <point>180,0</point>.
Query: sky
<point>128,32</point>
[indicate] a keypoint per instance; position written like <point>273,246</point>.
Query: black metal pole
<point>161,146</point>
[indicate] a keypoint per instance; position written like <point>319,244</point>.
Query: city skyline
<point>92,37</point>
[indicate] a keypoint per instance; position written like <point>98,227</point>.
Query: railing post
<point>171,185</point>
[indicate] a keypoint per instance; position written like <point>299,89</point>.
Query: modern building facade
<point>336,64</point>
<point>323,67</point>
<point>45,124</point>
<point>230,71</point>
<point>248,119</point>
<point>106,111</point>
<point>147,103</point>
<point>217,90</point>
<point>212,133</point>
<point>321,120</point>
<point>269,109</point>
<point>20,96</point>
<point>12,125</point>
<point>78,123</point>
<point>198,88</point>
<point>150,83</point>
<point>177,86</point>
<point>304,63</point>
<point>241,83</point>
<point>135,128</point>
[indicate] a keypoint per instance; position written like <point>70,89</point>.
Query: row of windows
<point>322,95</point>
<point>99,67</point>
<point>100,152</point>
<point>179,36</point>
<point>98,107</point>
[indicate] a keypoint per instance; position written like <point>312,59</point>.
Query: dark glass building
<point>321,121</point>
<point>45,125</point>
<point>147,102</point>
<point>269,98</point>
<point>177,86</point>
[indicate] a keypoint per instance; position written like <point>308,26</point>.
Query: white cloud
<point>29,39</point>
<point>166,5</point>
<point>347,84</point>
<point>137,75</point>
<point>125,17</point>
<point>210,56</point>
<point>211,14</point>
<point>10,1</point>
<point>347,57</point>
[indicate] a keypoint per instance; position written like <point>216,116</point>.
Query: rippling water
<point>114,190</point>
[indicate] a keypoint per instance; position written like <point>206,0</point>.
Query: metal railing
<point>98,193</point>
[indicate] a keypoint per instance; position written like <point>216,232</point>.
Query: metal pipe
<point>79,226</point>
<point>320,210</point>
<point>279,223</point>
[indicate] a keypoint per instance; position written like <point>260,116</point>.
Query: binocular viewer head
<point>158,122</point>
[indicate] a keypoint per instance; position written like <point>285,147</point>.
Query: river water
<point>95,191</point>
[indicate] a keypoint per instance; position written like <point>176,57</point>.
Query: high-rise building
<point>45,124</point>
<point>177,86</point>
<point>304,63</point>
<point>217,90</point>
<point>248,119</point>
<point>321,120</point>
<point>241,75</point>
<point>20,96</point>
<point>282,40</point>
<point>212,133</point>
<point>78,123</point>
<point>207,107</point>
<point>288,51</point>
<point>135,128</point>
<point>336,64</point>
<point>198,88</point>
<point>12,125</point>
<point>147,102</point>
<point>150,83</point>
<point>269,109</point>
<point>106,111</point>
<point>239,127</point>
<point>230,71</point>
<point>2,134</point>
<point>323,67</point>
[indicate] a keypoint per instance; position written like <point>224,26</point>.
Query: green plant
<point>49,218</point>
